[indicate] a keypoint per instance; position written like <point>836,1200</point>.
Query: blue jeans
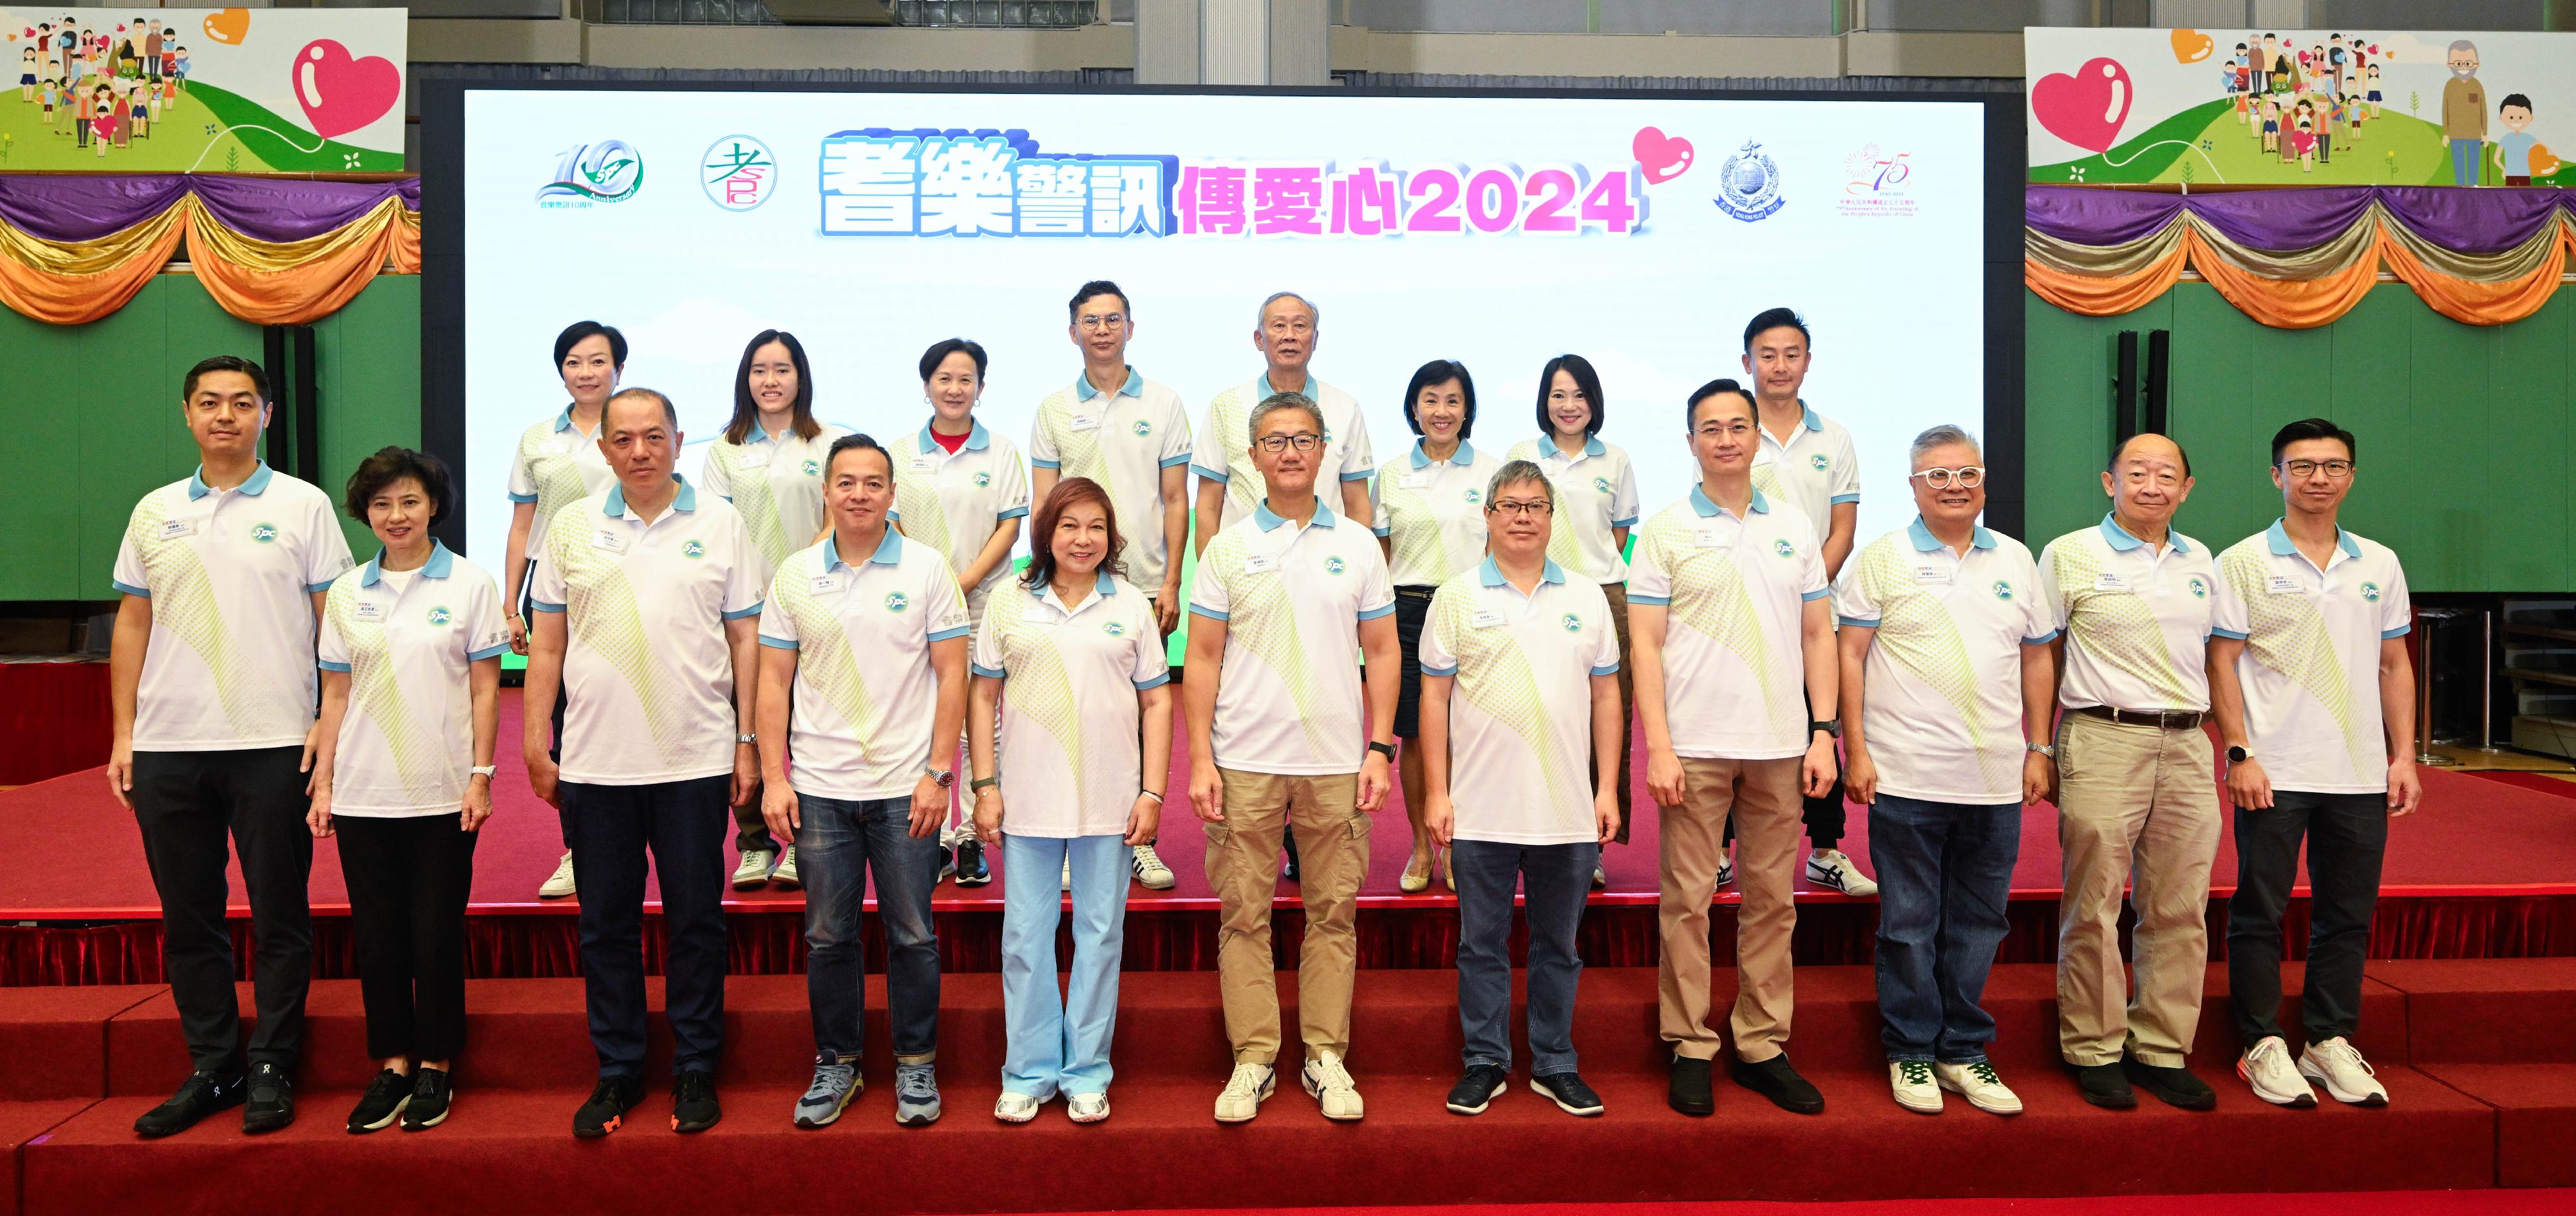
<point>610,828</point>
<point>1559,877</point>
<point>1061,1044</point>
<point>837,844</point>
<point>1944,875</point>
<point>2464,161</point>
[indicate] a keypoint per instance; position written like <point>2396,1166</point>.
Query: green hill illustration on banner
<point>201,128</point>
<point>2209,144</point>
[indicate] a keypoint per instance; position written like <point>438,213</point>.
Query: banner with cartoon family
<point>2300,107</point>
<point>174,90</point>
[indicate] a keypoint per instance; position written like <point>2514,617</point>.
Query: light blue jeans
<point>1060,1045</point>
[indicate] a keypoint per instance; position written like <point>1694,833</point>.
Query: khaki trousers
<point>2136,805</point>
<point>1763,797</point>
<point>1617,594</point>
<point>1243,866</point>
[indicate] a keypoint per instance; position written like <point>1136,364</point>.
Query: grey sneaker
<point>916,1095</point>
<point>836,1081</point>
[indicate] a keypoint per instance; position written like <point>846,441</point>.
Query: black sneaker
<point>383,1103</point>
<point>2104,1085</point>
<point>1774,1079</point>
<point>1479,1087</point>
<point>1568,1091</point>
<point>2172,1086</point>
<point>1690,1092</point>
<point>202,1094</point>
<point>971,869</point>
<point>433,1092</point>
<point>605,1112</point>
<point>271,1104</point>
<point>693,1101</point>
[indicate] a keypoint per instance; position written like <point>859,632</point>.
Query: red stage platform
<point>2487,869</point>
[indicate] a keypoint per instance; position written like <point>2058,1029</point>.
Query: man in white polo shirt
<point>1132,435</point>
<point>1728,625</point>
<point>2316,703</point>
<point>1806,460</point>
<point>1947,681</point>
<point>1286,603</point>
<point>645,596</point>
<point>211,690</point>
<point>2135,802</point>
<point>1285,330</point>
<point>875,651</point>
<point>1520,727</point>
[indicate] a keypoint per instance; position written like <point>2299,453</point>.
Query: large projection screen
<point>1639,231</point>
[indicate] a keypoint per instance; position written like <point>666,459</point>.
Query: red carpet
<point>2366,1203</point>
<point>2539,782</point>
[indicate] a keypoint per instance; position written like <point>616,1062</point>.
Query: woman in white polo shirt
<point>769,464</point>
<point>961,489</point>
<point>410,651</point>
<point>1596,495</point>
<point>1070,660</point>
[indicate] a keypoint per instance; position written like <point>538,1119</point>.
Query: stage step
<point>2504,1034</point>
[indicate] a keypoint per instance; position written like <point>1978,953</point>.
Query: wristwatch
<point>2045,749</point>
<point>945,778</point>
<point>746,738</point>
<point>1830,727</point>
<point>981,784</point>
<point>485,770</point>
<point>2238,755</point>
<point>1384,749</point>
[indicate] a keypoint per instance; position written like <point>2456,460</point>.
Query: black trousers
<point>188,804</point>
<point>408,881</point>
<point>682,824</point>
<point>2347,837</point>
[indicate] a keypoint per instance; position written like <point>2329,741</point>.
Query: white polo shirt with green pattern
<point>1596,492</point>
<point>1814,471</point>
<point>952,504</point>
<point>1735,677</point>
<point>1069,758</point>
<point>775,482</point>
<point>1289,699</point>
<point>2310,668</point>
<point>554,465</point>
<point>1520,706</point>
<point>1432,513</point>
<point>865,690</point>
<point>1123,440</point>
<point>1223,450</point>
<point>2136,616</point>
<point>408,641</point>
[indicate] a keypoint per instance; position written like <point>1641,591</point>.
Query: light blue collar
<point>440,563</point>
<point>760,434</point>
<point>563,421</point>
<point>1270,520</point>
<point>686,500</point>
<point>976,440</point>
<point>1592,445</point>
<point>1807,417</point>
<point>2282,547</point>
<point>1925,542</point>
<point>1134,387</point>
<point>2121,542</point>
<point>1699,502</point>
<point>889,551</point>
<point>1491,575</point>
<point>1464,456</point>
<point>254,485</point>
<point>1305,390</point>
<point>1103,585</point>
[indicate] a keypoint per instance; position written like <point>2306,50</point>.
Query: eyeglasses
<point>1298,326</point>
<point>2335,470</point>
<point>1303,441</point>
<point>1093,321</point>
<point>1519,506</point>
<point>1966,477</point>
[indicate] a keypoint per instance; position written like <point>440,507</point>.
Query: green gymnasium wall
<point>94,416</point>
<point>2465,430</point>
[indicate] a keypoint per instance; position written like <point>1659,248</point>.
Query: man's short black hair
<point>1723,384</point>
<point>226,363</point>
<point>2113,464</point>
<point>1096,287</point>
<point>578,330</point>
<point>857,441</point>
<point>2311,428</point>
<point>1441,371</point>
<point>1776,318</point>
<point>1585,378</point>
<point>390,464</point>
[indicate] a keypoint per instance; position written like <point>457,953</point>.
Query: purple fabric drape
<point>87,206</point>
<point>2465,221</point>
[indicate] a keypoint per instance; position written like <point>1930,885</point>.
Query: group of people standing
<point>107,91</point>
<point>807,631</point>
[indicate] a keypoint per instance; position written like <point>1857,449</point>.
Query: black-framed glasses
<point>1303,441</point>
<point>1523,506</point>
<point>1966,477</point>
<point>2335,470</point>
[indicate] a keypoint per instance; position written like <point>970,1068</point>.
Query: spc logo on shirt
<point>1819,461</point>
<point>265,534</point>
<point>2370,593</point>
<point>1115,629</point>
<point>813,468</point>
<point>2199,587</point>
<point>982,480</point>
<point>439,615</point>
<point>694,549</point>
<point>1144,429</point>
<point>1474,496</point>
<point>897,601</point>
<point>1601,485</point>
<point>1572,623</point>
<point>1335,565</point>
<point>1784,548</point>
<point>2003,590</point>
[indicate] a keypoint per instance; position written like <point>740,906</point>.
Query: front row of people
<point>826,692</point>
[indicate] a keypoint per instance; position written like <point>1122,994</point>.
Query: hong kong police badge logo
<point>1749,184</point>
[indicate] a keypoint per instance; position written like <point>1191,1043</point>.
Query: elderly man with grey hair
<point>1947,691</point>
<point>2464,112</point>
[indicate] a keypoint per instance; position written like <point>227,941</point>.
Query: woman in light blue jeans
<point>1071,661</point>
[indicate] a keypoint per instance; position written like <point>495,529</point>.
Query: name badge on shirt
<point>1932,574</point>
<point>826,584</point>
<point>172,529</point>
<point>368,610</point>
<point>2107,581</point>
<point>1261,563</point>
<point>1710,538</point>
<point>756,456</point>
<point>611,541</point>
<point>1485,618</point>
<point>1084,422</point>
<point>921,464</point>
<point>2283,584</point>
<point>1420,480</point>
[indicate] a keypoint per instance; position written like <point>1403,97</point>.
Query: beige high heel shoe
<point>1415,881</point>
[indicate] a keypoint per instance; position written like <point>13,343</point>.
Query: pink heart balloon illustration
<point>1662,157</point>
<point>340,93</point>
<point>2087,108</point>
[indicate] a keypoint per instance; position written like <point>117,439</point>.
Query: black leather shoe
<point>271,1104</point>
<point>2171,1086</point>
<point>2103,1085</point>
<point>1568,1091</point>
<point>202,1094</point>
<point>1774,1079</point>
<point>1690,1093</point>
<point>1477,1088</point>
<point>605,1112</point>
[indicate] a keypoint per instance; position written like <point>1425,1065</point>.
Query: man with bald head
<point>2136,797</point>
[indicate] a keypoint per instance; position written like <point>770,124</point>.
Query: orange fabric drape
<point>2286,303</point>
<point>2471,302</point>
<point>290,282</point>
<point>2104,295</point>
<point>73,283</point>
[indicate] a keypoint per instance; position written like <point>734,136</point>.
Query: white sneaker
<point>1834,868</point>
<point>1151,873</point>
<point>785,875</point>
<point>1245,1091</point>
<point>1725,871</point>
<point>1331,1086</point>
<point>1087,1108</point>
<point>1068,871</point>
<point>1980,1086</point>
<point>2338,1066</point>
<point>560,884</point>
<point>1915,1089</point>
<point>755,868</point>
<point>1016,1108</point>
<point>2266,1067</point>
